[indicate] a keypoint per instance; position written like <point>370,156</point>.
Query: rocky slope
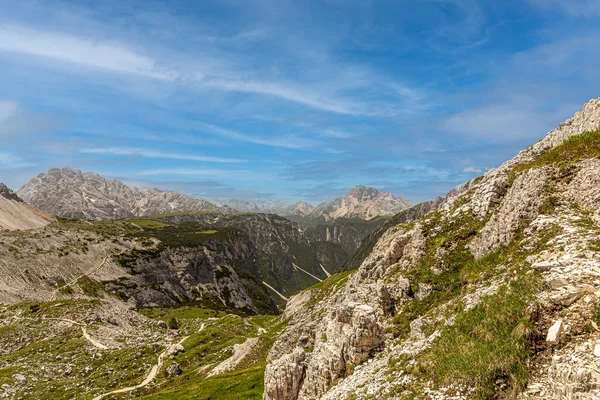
<point>16,215</point>
<point>71,193</point>
<point>493,295</point>
<point>282,246</point>
<point>141,267</point>
<point>361,202</point>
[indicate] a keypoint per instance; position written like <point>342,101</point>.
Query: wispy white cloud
<point>284,141</point>
<point>578,8</point>
<point>15,120</point>
<point>79,50</point>
<point>110,56</point>
<point>205,172</point>
<point>472,170</point>
<point>8,109</point>
<point>336,134</point>
<point>126,151</point>
<point>11,161</point>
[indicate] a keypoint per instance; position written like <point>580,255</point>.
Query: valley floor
<point>94,349</point>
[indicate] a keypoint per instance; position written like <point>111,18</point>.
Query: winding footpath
<point>93,341</point>
<point>83,326</point>
<point>151,375</point>
<point>91,272</point>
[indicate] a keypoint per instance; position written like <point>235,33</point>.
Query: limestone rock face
<point>520,203</point>
<point>345,338</point>
<point>71,193</point>
<point>284,376</point>
<point>8,193</point>
<point>194,273</point>
<point>488,195</point>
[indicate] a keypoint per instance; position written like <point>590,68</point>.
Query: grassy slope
<point>210,346</point>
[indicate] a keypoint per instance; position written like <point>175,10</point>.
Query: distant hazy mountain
<point>361,202</point>
<point>268,207</point>
<point>15,214</point>
<point>71,193</point>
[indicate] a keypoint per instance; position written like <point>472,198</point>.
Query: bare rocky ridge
<point>71,193</point>
<point>355,338</point>
<point>16,215</point>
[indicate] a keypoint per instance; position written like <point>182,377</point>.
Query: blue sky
<point>293,100</point>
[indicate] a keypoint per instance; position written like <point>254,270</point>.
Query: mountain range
<point>72,193</point>
<point>491,292</point>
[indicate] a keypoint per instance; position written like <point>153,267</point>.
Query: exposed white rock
<point>554,333</point>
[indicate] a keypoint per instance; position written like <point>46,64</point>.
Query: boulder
<point>174,370</point>
<point>554,332</point>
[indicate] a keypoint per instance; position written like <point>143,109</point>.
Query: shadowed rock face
<point>222,272</point>
<point>71,193</point>
<point>9,194</point>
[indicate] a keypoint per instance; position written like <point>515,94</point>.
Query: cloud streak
<point>99,54</point>
<point>124,151</point>
<point>83,51</point>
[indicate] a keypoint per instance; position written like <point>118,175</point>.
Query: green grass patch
<point>90,287</point>
<point>147,223</point>
<point>572,150</point>
<point>206,348</point>
<point>487,343</point>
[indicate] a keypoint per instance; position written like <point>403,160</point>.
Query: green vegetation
<point>188,235</point>
<point>35,340</point>
<point>147,223</point>
<point>90,287</point>
<point>181,312</point>
<point>173,323</point>
<point>328,287</point>
<point>489,342</point>
<point>205,349</point>
<point>572,150</point>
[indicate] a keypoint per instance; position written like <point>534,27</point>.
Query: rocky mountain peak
<point>362,193</point>
<point>71,193</point>
<point>361,202</point>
